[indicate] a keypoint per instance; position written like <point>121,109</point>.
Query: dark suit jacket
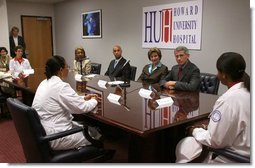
<point>157,75</point>
<point>12,45</point>
<point>190,80</point>
<point>119,71</point>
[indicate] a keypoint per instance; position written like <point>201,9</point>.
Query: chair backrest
<point>133,73</point>
<point>209,83</point>
<point>30,131</point>
<point>95,68</point>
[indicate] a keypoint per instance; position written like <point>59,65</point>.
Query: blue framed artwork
<point>92,24</point>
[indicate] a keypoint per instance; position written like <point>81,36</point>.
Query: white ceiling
<point>37,1</point>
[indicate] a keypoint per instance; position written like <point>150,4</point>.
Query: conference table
<point>153,132</point>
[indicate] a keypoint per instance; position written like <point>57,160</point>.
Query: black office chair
<point>231,155</point>
<point>209,83</point>
<point>225,152</point>
<point>3,99</point>
<point>133,73</point>
<point>95,68</point>
<point>36,144</point>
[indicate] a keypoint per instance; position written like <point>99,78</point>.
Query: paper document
<point>90,76</point>
<point>115,82</point>
<point>4,75</point>
<point>28,71</point>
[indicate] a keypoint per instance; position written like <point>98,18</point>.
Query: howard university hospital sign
<point>171,25</point>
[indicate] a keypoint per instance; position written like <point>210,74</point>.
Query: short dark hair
<point>156,50</point>
<point>18,47</point>
<point>3,48</point>
<point>53,65</point>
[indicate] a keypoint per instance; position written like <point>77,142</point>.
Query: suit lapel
<point>118,66</point>
<point>185,70</point>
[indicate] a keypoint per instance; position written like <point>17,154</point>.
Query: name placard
<point>164,102</point>
<point>102,84</point>
<point>113,98</point>
<point>145,93</point>
<point>77,77</point>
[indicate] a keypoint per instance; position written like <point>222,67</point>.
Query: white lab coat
<point>229,127</point>
<point>54,101</point>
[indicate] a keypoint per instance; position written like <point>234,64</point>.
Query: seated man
<point>230,124</point>
<point>183,76</point>
<point>119,67</point>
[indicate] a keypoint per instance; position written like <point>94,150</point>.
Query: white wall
<point>16,9</point>
<point>4,35</point>
<point>226,27</point>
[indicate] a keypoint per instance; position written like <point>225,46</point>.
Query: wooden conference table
<point>153,133</point>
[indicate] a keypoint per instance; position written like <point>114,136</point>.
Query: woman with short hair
<point>155,71</point>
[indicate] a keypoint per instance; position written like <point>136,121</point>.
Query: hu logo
<point>155,33</point>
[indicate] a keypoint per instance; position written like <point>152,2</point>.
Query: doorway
<point>37,33</point>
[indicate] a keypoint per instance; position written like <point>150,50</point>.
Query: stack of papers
<point>5,75</point>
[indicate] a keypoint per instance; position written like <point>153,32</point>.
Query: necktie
<point>180,72</point>
<point>116,62</point>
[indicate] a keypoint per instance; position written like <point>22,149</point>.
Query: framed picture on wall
<point>92,24</point>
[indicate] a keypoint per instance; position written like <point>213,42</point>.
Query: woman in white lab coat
<point>229,125</point>
<point>55,101</point>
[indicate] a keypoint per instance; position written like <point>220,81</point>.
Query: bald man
<point>119,67</point>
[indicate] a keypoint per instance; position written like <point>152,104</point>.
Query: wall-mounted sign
<point>172,25</point>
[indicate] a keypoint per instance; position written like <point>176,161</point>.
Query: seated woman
<point>229,125</point>
<point>55,101</point>
<point>155,71</point>
<point>17,66</point>
<point>4,59</point>
<point>4,67</point>
<point>81,62</point>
